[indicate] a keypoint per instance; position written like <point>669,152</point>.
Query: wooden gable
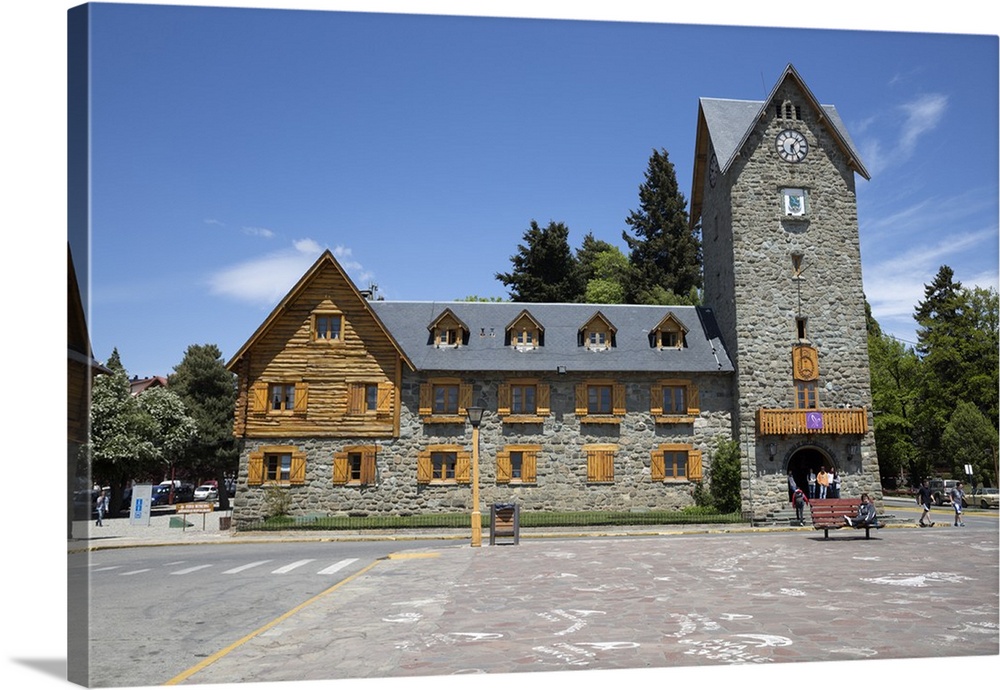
<point>287,353</point>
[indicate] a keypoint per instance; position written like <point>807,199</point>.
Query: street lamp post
<point>475,417</point>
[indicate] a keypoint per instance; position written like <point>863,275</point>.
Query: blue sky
<point>231,146</point>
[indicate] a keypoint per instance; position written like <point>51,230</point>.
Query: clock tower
<point>774,193</point>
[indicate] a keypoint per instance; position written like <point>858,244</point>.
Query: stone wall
<point>561,465</point>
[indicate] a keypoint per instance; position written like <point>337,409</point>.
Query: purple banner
<point>814,420</point>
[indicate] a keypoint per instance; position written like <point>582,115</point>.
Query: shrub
<point>725,476</point>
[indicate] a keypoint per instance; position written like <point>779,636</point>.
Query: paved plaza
<point>753,597</point>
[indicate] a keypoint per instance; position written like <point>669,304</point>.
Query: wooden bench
<point>829,513</point>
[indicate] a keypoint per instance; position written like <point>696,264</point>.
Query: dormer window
<point>598,334</point>
<point>669,334</point>
<point>448,331</point>
<point>524,332</point>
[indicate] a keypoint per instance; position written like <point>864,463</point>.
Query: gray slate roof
<point>487,321</point>
<point>729,121</point>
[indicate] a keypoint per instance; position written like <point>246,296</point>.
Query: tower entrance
<point>803,461</point>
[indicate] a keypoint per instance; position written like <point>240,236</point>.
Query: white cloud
<point>915,118</point>
<point>265,280</point>
<point>258,232</point>
<point>922,115</point>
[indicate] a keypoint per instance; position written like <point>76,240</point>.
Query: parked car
<point>182,493</point>
<point>984,497</point>
<point>941,491</point>
<point>206,492</point>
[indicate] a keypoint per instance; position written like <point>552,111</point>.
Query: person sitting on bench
<point>865,516</point>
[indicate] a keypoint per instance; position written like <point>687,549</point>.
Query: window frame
<point>428,463</point>
<point>258,466</point>
<point>657,392</point>
<point>428,397</point>
<point>693,470</point>
<point>333,316</point>
<point>366,457</point>
<point>617,409</point>
<point>262,395</point>
<point>529,464</point>
<point>359,394</point>
<point>505,401</point>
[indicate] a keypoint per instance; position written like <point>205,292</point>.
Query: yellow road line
<point>223,652</point>
<point>403,556</point>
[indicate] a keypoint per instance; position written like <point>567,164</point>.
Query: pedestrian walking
<point>823,481</point>
<point>835,484</point>
<point>102,508</point>
<point>799,500</point>
<point>956,502</point>
<point>924,501</point>
<point>812,483</point>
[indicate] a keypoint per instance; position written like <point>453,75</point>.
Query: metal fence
<point>528,519</point>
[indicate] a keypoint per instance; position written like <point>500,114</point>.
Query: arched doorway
<point>802,461</point>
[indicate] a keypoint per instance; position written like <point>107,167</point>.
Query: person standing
<point>956,502</point>
<point>102,507</point>
<point>924,501</point>
<point>791,485</point>
<point>812,483</point>
<point>835,484</point>
<point>823,481</point>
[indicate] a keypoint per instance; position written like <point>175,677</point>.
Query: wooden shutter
<point>656,470</point>
<point>694,406</point>
<point>424,470</point>
<point>543,408</point>
<point>694,465</point>
<point>464,397</point>
<point>355,398</point>
<point>368,465</point>
<point>297,475</point>
<point>656,400</point>
<point>503,466</point>
<point>581,399</point>
<point>255,468</point>
<point>258,398</point>
<point>463,466</point>
<point>301,397</point>
<point>600,465</point>
<point>618,399</point>
<point>528,466</point>
<point>340,467</point>
<point>426,399</point>
<point>503,399</point>
<point>386,394</point>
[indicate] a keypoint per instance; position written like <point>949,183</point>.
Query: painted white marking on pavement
<point>135,572</point>
<point>107,567</point>
<point>241,568</point>
<point>291,566</point>
<point>767,640</point>
<point>337,566</point>
<point>607,646</point>
<point>185,571</point>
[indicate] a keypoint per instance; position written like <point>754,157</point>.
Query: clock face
<point>713,170</point>
<point>791,145</point>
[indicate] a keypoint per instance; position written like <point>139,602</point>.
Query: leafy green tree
<point>664,251</point>
<point>544,269</point>
<point>971,439</point>
<point>895,380</point>
<point>122,439</point>
<point>208,390</point>
<point>957,342</point>
<point>725,476</point>
<point>609,277</point>
<point>169,425</point>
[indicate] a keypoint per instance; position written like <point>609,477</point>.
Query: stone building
<point>355,406</point>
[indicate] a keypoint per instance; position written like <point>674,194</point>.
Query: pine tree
<point>208,390</point>
<point>545,269</point>
<point>664,252</point>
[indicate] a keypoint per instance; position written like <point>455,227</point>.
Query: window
<point>806,395</point>
<point>524,332</point>
<point>279,397</point>
<point>675,462</point>
<point>448,331</point>
<point>600,401</point>
<point>282,396</point>
<point>445,400</point>
<point>600,462</point>
<point>597,334</point>
<point>276,465</point>
<point>443,464</point>
<point>447,337</point>
<point>800,328</point>
<point>517,464</point>
<point>328,327</point>
<point>523,400</point>
<point>674,401</point>
<point>370,398</point>
<point>355,466</point>
<point>668,334</point>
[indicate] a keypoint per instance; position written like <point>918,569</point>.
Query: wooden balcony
<point>812,421</point>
